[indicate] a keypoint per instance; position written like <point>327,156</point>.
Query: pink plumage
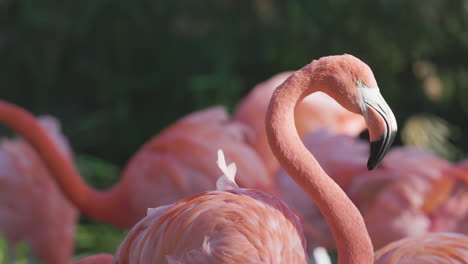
<point>229,225</point>
<point>435,248</point>
<point>32,208</point>
<point>452,212</point>
<point>400,196</point>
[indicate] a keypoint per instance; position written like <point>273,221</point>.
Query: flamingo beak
<point>381,124</point>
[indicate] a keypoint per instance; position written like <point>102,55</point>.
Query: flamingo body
<point>229,225</point>
<point>434,248</point>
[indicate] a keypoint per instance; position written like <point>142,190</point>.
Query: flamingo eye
<point>359,83</point>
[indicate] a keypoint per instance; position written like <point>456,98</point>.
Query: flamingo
<point>32,208</point>
<point>229,225</point>
<point>172,165</point>
<point>317,111</point>
<point>352,84</point>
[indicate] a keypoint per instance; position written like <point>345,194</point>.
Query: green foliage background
<point>116,72</point>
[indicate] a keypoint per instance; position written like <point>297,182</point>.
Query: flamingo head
<point>352,84</point>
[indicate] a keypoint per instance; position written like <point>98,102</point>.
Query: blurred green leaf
<point>97,172</point>
<point>21,252</point>
<point>93,238</point>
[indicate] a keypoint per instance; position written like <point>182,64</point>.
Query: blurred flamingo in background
<point>450,202</point>
<point>402,194</point>
<point>351,82</point>
<point>462,226</point>
<point>316,111</point>
<point>172,165</point>
<point>32,208</point>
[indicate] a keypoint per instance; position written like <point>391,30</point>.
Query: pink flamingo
<point>351,83</point>
<point>229,225</point>
<point>32,208</point>
<point>172,165</point>
<point>317,111</point>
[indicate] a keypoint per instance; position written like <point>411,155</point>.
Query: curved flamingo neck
<point>105,206</point>
<point>345,221</point>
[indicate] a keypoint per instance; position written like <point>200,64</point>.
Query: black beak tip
<point>371,164</point>
<point>378,149</point>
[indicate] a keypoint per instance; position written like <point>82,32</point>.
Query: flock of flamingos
<point>293,178</point>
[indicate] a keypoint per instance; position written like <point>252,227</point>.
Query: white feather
<point>321,256</point>
<point>228,180</point>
